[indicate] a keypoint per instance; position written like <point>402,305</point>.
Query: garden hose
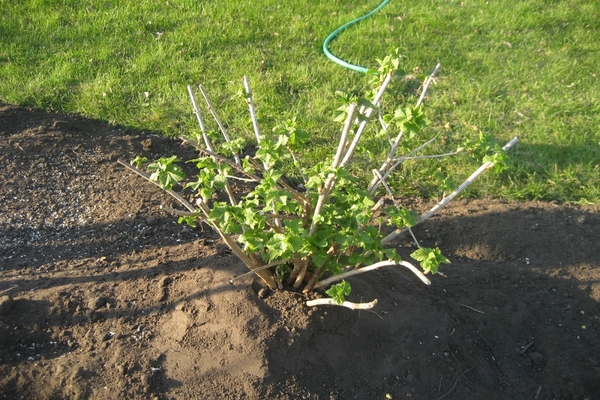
<point>333,34</point>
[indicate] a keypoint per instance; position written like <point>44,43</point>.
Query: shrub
<point>331,225</point>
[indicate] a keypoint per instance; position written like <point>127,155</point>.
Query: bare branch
<point>344,136</point>
<point>175,211</point>
<point>267,266</point>
<point>382,180</point>
<point>406,158</point>
<point>252,110</point>
<point>347,304</point>
<point>207,142</point>
<point>219,123</point>
<point>427,83</point>
<point>363,124</point>
<point>205,138</point>
<point>374,185</point>
<point>485,166</point>
<point>324,283</point>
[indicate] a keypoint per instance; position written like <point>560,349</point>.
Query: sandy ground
<point>104,296</point>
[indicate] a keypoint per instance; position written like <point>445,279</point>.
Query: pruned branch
<point>203,130</point>
<point>428,81</point>
<point>252,110</point>
<point>361,128</point>
<point>324,283</point>
<point>219,123</point>
<point>347,304</point>
<point>207,141</point>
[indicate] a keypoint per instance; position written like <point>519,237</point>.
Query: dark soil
<point>104,296</point>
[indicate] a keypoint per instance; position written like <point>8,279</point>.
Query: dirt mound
<point>102,295</point>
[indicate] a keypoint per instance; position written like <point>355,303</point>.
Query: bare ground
<point>103,296</point>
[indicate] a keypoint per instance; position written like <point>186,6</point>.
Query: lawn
<point>524,68</point>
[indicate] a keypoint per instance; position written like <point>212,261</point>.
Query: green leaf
<point>430,259</point>
<point>298,137</point>
<point>190,220</point>
<point>498,159</point>
<point>204,162</point>
<point>247,165</point>
<point>294,226</point>
<point>402,217</point>
<point>138,161</point>
<point>165,172</point>
<point>319,257</point>
<point>339,291</point>
<point>253,241</point>
<point>235,146</point>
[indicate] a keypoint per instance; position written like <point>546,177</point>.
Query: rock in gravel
<point>147,144</point>
<point>163,294</point>
<point>94,316</point>
<point>165,281</point>
<point>6,304</point>
<point>536,358</point>
<point>96,303</point>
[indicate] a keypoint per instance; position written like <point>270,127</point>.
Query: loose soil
<point>105,296</point>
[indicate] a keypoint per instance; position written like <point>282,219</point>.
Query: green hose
<point>333,34</point>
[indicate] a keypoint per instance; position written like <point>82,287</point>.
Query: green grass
<point>524,68</point>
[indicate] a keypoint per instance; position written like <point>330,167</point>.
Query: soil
<point>104,296</point>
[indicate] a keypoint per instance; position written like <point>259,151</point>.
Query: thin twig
<point>178,212</point>
<point>248,259</point>
<point>487,165</point>
<point>382,180</point>
<point>208,143</point>
<point>414,237</point>
<point>6,290</point>
<point>273,264</point>
<point>430,156</point>
<point>412,268</point>
<point>219,123</point>
<point>374,185</point>
<point>344,136</point>
<point>527,347</point>
<point>347,304</point>
<point>427,83</point>
<point>453,386</point>
<point>297,165</point>
<point>144,175</point>
<point>220,158</point>
<point>363,124</point>
<point>470,308</point>
<point>252,110</point>
<point>203,130</point>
